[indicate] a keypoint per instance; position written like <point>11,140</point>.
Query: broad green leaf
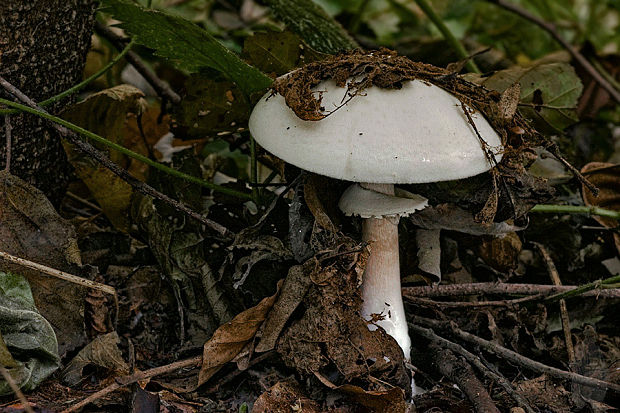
<point>210,107</point>
<point>185,44</point>
<point>549,92</point>
<point>28,346</point>
<point>278,53</point>
<point>308,20</point>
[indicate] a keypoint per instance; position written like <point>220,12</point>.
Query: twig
<point>518,358</point>
<point>470,304</point>
<point>584,288</point>
<point>18,393</point>
<point>551,29</point>
<point>554,149</point>
<point>58,274</point>
<point>228,378</point>
<point>447,34</point>
<point>459,371</point>
<point>133,378</point>
<point>83,201</point>
<point>555,278</point>
<point>576,209</point>
<point>459,290</point>
<point>87,148</point>
<point>80,85</point>
<point>475,360</point>
<point>9,142</point>
<point>161,87</point>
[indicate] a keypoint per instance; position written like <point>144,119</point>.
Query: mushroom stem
<point>381,281</point>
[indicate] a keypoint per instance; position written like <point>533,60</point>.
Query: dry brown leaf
<point>230,338</point>
<point>509,102</point>
<point>316,206</point>
<point>392,400</point>
<point>330,333</point>
<point>294,289</point>
<point>31,228</point>
<point>501,253</point>
<point>606,177</point>
<point>285,397</point>
<point>103,351</point>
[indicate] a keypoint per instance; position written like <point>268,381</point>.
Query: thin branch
<point>161,87</point>
<point>231,376</point>
<point>576,209</point>
<point>18,393</point>
<point>8,129</point>
<point>460,290</point>
<point>551,29</point>
<point>584,288</point>
<point>447,34</point>
<point>89,204</point>
<point>133,378</point>
<point>475,360</point>
<point>555,278</point>
<point>85,147</point>
<point>516,357</point>
<point>80,85</point>
<point>58,274</point>
<point>459,371</point>
<point>471,304</point>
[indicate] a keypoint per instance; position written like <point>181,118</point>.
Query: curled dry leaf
<point>330,333</point>
<point>606,177</point>
<point>391,400</point>
<point>103,351</point>
<point>284,397</point>
<point>230,338</point>
<point>294,289</point>
<point>501,253</point>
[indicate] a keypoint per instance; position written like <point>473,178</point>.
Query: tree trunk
<point>43,46</point>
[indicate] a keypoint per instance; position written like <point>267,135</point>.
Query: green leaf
<point>210,107</point>
<point>28,346</point>
<point>308,20</point>
<point>278,53</point>
<point>185,44</point>
<point>549,92</point>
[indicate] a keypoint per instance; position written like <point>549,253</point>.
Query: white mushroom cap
<point>415,134</point>
<point>371,204</point>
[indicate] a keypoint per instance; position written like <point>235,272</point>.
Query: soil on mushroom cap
<point>358,70</point>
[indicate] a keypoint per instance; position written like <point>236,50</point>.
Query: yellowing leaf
<point>105,113</point>
<point>390,400</point>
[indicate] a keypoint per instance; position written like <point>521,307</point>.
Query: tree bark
<point>43,46</point>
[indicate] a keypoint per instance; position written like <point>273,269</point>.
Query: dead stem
<point>475,361</point>
<point>516,357</point>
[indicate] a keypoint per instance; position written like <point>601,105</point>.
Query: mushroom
<point>378,138</point>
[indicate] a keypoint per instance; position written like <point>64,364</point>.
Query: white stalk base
<point>381,281</point>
